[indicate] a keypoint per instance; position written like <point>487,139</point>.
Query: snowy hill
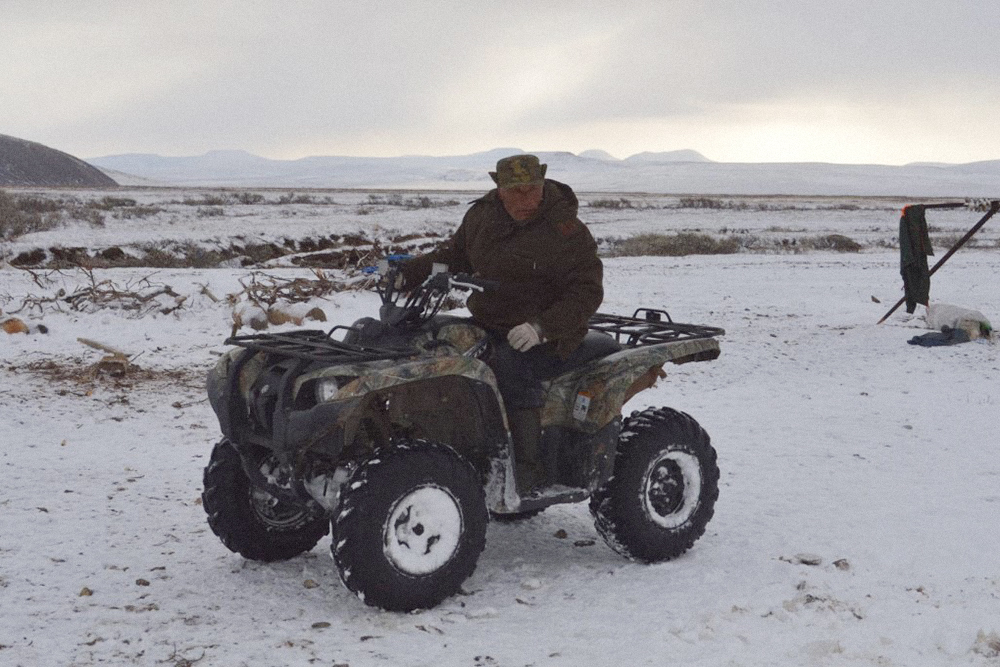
<point>675,172</point>
<point>29,163</point>
<point>668,156</point>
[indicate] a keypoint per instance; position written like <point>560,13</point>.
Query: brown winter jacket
<point>547,266</point>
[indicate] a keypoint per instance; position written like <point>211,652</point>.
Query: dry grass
<point>23,215</point>
<point>674,245</point>
<point>835,242</point>
<point>74,375</point>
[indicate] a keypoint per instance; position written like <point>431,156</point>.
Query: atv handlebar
<point>464,282</point>
<point>401,307</point>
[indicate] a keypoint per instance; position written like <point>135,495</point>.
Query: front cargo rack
<point>315,345</point>
<point>648,326</point>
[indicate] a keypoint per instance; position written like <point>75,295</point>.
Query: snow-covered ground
<point>836,440</point>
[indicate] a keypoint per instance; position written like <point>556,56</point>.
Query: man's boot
<point>526,432</point>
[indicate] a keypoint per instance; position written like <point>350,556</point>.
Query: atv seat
<point>519,375</point>
<point>596,344</point>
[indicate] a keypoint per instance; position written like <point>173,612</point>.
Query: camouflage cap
<point>518,170</point>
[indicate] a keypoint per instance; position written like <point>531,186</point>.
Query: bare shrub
<point>674,245</point>
<point>292,198</point>
<point>614,204</point>
<point>836,242</point>
<point>947,241</point>
<point>248,198</point>
<point>95,218</point>
<point>394,199</point>
<point>703,202</point>
<point>262,252</point>
<point>199,257</point>
<point>728,204</point>
<point>30,204</point>
<point>179,256</point>
<point>205,200</point>
<point>21,215</point>
<point>108,203</point>
<point>237,198</point>
<point>411,203</point>
<point>137,212</point>
<point>159,258</point>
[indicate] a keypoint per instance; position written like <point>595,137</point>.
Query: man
<point>526,236</point>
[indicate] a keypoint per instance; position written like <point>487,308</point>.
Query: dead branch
<point>266,290</point>
<point>101,346</point>
<point>207,292</point>
<point>45,279</point>
<point>136,297</point>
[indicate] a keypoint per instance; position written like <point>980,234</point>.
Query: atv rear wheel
<point>663,490</point>
<point>252,522</point>
<point>411,525</point>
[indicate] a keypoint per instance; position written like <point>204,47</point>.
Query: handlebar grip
<point>473,280</point>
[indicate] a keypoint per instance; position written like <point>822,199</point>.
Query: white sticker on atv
<point>581,406</point>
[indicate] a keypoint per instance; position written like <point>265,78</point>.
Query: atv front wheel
<point>252,522</point>
<point>663,490</point>
<point>411,525</point>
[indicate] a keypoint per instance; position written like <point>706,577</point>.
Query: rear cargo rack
<point>648,326</point>
<point>315,345</point>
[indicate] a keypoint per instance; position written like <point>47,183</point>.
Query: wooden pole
<point>994,206</point>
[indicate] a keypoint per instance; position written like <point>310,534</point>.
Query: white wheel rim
<point>656,478</point>
<point>423,530</point>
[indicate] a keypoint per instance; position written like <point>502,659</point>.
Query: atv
<point>392,433</point>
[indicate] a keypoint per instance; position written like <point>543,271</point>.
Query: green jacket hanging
<point>914,247</point>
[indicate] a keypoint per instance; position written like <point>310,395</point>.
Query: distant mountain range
<point>26,163</point>
<point>674,172</point>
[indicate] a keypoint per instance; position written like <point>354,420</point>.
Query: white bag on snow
<point>973,322</point>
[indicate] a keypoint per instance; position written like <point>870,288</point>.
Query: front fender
<point>452,400</point>
<point>419,369</point>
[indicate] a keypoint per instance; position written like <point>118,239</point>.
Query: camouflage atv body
<point>319,430</point>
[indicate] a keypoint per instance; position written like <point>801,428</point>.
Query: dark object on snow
<point>994,206</point>
<point>914,247</point>
<point>947,336</point>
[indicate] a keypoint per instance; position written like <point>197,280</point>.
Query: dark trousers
<point>519,379</point>
<point>520,374</point>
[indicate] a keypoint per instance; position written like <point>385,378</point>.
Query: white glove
<point>523,337</point>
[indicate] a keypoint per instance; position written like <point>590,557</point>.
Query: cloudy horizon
<point>752,81</point>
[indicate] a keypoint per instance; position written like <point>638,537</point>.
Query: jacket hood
<point>559,202</point>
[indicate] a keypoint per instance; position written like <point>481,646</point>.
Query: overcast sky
<point>856,81</point>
